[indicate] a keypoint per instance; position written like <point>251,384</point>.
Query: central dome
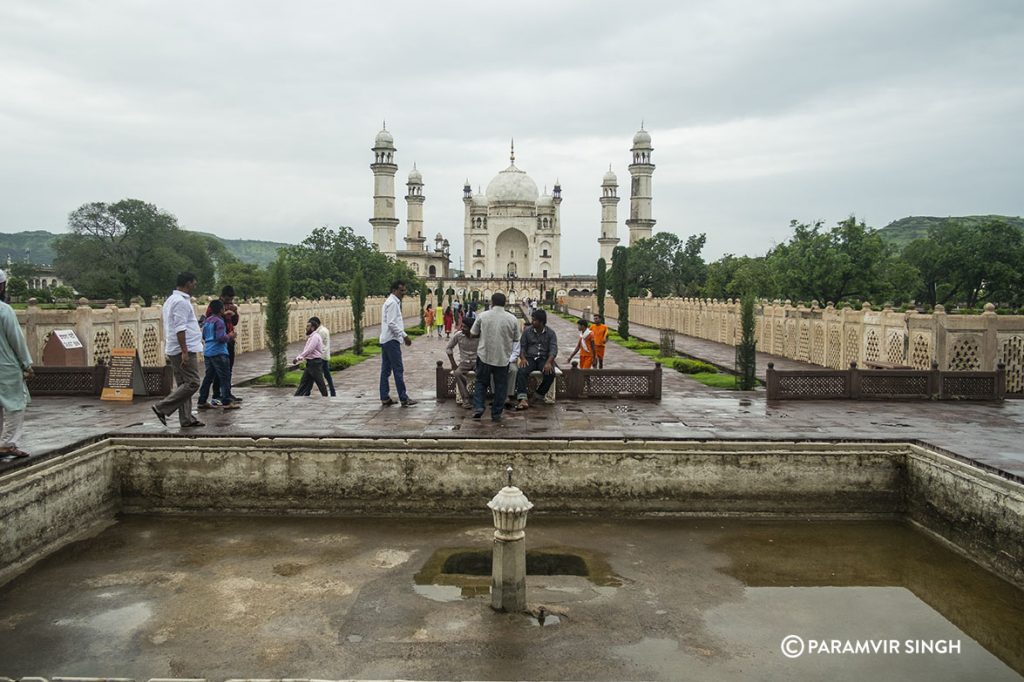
<point>512,184</point>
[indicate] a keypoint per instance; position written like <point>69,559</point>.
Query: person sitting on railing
<point>539,346</point>
<point>585,345</point>
<point>467,346</point>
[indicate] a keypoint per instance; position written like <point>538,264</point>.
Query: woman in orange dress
<point>428,317</point>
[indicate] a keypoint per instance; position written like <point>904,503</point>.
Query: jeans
<point>313,374</point>
<point>391,361</point>
<point>218,374</point>
<point>328,378</point>
<point>484,374</point>
<point>523,377</point>
<point>186,381</point>
<point>231,366</point>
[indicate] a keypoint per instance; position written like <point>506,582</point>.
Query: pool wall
<point>44,506</point>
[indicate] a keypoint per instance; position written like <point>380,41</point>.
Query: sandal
<point>522,405</point>
<point>193,424</point>
<point>13,452</point>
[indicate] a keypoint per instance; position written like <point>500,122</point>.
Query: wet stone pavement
<point>989,434</point>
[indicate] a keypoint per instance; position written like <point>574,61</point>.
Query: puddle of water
<point>441,593</point>
<point>549,620</point>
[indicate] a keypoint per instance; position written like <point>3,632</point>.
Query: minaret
<point>414,239</point>
<point>609,216</point>
<point>640,222</point>
<point>384,168</point>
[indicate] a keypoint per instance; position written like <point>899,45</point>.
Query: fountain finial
<point>508,472</point>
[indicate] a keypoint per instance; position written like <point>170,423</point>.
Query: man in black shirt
<point>538,349</point>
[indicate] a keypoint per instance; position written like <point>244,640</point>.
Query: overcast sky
<point>255,119</point>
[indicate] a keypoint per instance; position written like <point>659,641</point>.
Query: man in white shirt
<point>498,330</point>
<point>392,336</point>
<point>183,343</point>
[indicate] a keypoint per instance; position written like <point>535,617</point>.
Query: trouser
<point>391,362</point>
<point>218,375</point>
<point>586,360</point>
<point>313,374</point>
<point>186,379</point>
<point>327,376</point>
<point>12,426</point>
<point>484,374</point>
<point>461,382</point>
<point>523,377</point>
<point>231,366</point>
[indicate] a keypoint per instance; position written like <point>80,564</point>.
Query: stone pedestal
<point>508,575</point>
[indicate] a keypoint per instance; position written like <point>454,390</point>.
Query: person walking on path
<point>497,330</point>
<point>215,353</point>
<point>313,354</point>
<point>392,336</point>
<point>467,346</point>
<point>600,330</point>
<point>15,371</point>
<point>449,320</point>
<point>538,350</point>
<point>428,318</point>
<point>325,336</point>
<point>231,318</point>
<point>182,347</point>
<point>584,346</point>
<point>439,321</point>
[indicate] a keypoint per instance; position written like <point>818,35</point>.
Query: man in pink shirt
<point>313,353</point>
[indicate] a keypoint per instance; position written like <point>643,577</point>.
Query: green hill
<point>905,230</point>
<point>39,245</point>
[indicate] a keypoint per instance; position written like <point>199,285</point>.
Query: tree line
<point>133,249</point>
<point>958,263</point>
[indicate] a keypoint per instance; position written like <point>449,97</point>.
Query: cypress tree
<point>746,350</point>
<point>277,318</point>
<point>620,287</point>
<point>602,285</point>
<point>357,295</point>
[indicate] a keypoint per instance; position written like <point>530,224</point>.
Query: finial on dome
<point>384,124</point>
<point>609,168</point>
<point>641,124</point>
<point>512,156</point>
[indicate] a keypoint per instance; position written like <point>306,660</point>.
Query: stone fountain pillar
<point>508,561</point>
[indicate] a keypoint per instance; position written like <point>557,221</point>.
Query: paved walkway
<point>719,354</point>
<point>987,433</point>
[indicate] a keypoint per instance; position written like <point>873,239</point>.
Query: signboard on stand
<point>124,376</point>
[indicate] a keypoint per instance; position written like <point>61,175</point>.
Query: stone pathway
<point>989,434</point>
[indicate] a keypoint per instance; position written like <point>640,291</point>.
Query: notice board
<point>124,376</point>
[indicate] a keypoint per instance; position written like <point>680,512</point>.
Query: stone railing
<point>885,384</point>
<point>140,327</point>
<point>577,384</point>
<point>834,338</point>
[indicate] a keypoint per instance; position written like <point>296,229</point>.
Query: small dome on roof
<point>384,139</point>
<point>642,138</point>
<point>415,176</point>
<point>609,178</point>
<point>545,200</point>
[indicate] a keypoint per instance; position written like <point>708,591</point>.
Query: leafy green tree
<point>277,318</point>
<point>966,262</point>
<point>602,285</point>
<point>357,294</point>
<point>665,265</point>
<point>322,265</point>
<point>129,249</point>
<point>248,280</point>
<point>850,261</point>
<point>62,293</point>
<point>17,289</point>
<point>620,286</point>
